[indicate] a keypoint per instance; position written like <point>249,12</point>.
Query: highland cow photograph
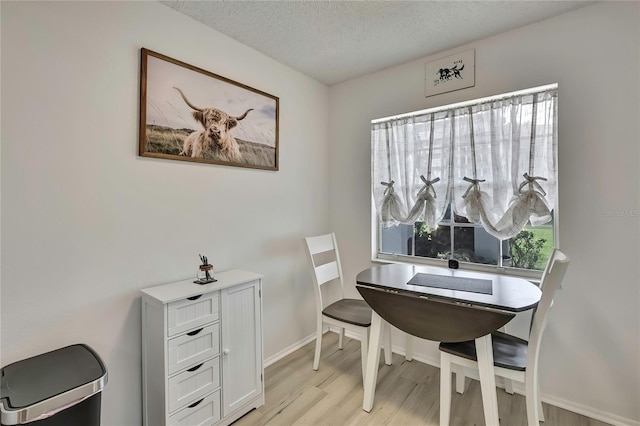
<point>190,114</point>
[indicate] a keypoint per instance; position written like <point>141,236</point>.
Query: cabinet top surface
<point>187,288</point>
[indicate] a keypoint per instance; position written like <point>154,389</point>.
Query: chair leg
<point>445,388</point>
<point>340,338</point>
<point>508,385</point>
<point>316,357</point>
<point>531,395</point>
<point>373,358</point>
<point>387,344</point>
<point>364,351</point>
<point>540,412</point>
<point>460,379</point>
<point>486,371</point>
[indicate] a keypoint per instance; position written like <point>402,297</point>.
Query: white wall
<point>86,222</point>
<point>590,359</point>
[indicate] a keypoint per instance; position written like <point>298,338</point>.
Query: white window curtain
<point>494,161</point>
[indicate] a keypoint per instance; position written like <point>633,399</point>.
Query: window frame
<point>378,256</point>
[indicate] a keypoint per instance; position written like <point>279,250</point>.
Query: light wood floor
<point>407,393</point>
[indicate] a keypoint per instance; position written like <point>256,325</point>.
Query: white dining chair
<point>353,315</point>
<point>513,358</point>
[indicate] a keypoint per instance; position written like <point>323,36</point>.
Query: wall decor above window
<point>454,72</point>
<point>189,114</point>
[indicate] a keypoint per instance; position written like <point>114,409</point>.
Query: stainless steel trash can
<point>61,387</point>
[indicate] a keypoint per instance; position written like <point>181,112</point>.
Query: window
<point>469,243</point>
<point>475,182</point>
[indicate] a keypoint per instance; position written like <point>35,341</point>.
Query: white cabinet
<point>202,360</point>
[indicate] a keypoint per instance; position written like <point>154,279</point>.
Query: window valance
<point>494,161</point>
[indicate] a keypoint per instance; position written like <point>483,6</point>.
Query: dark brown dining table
<point>443,305</point>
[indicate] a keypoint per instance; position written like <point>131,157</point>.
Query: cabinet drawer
<point>192,384</point>
<point>193,347</point>
<point>204,412</point>
<point>186,314</point>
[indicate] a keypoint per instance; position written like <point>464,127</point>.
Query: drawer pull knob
<point>194,332</point>
<point>226,352</point>
<point>192,369</point>
<point>196,403</point>
<point>194,297</point>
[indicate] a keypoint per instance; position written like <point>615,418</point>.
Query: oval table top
<point>510,294</point>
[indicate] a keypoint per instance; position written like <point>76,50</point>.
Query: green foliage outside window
<point>530,249</point>
<point>526,250</point>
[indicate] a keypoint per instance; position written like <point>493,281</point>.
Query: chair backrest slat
<point>320,244</point>
<point>327,272</point>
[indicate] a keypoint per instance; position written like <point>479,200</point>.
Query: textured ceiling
<point>334,41</point>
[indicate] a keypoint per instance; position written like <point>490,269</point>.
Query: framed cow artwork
<point>189,114</point>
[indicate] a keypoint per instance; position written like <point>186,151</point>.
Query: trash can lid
<point>52,380</point>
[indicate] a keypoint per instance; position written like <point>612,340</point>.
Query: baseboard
<point>290,349</point>
<point>610,418</point>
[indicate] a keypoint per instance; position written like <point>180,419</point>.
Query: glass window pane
<point>531,248</point>
<point>434,243</point>
<point>475,245</point>
<point>471,243</point>
<point>396,239</point>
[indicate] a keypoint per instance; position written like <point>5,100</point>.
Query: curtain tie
<point>475,185</point>
<point>531,181</point>
<point>428,186</point>
<point>389,189</point>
